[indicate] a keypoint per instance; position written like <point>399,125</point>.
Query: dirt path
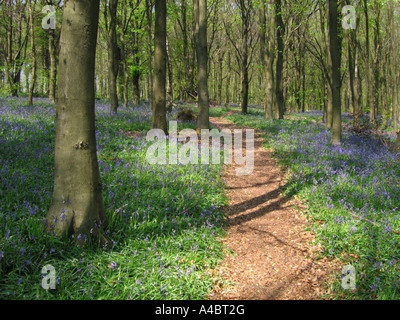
<point>274,258</point>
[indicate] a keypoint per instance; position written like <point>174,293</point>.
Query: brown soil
<point>274,257</point>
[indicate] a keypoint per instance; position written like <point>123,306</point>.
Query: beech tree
<point>110,12</point>
<point>202,60</point>
<point>159,119</point>
<point>77,206</point>
<point>334,70</point>
<point>267,46</point>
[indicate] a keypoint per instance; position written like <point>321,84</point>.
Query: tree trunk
<point>368,65</point>
<point>334,68</point>
<point>113,56</point>
<point>220,77</point>
<point>395,108</point>
<point>149,8</point>
<point>53,67</point>
<point>267,57</point>
<point>124,62</point>
<point>170,94</point>
<point>228,80</point>
<point>77,206</point>
<point>33,49</point>
<point>377,53</point>
<point>202,60</point>
<point>280,31</point>
<point>159,119</point>
<point>244,55</point>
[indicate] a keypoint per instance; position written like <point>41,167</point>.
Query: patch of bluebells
<point>352,189</point>
<point>155,212</point>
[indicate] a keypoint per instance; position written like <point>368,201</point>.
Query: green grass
<point>165,221</point>
<point>352,196</point>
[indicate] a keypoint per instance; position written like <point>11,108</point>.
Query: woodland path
<point>274,257</point>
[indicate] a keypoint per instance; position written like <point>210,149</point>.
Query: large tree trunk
<point>159,119</point>
<point>334,69</point>
<point>202,60</point>
<point>77,206</point>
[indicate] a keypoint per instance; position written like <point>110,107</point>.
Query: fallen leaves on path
<point>274,257</point>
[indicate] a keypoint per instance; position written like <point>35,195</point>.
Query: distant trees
<point>268,52</point>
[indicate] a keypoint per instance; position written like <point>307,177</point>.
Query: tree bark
<point>170,93</point>
<point>228,80</point>
<point>370,92</point>
<point>33,49</point>
<point>113,55</point>
<point>159,119</point>
<point>53,67</point>
<point>334,68</point>
<point>280,32</point>
<point>395,108</point>
<point>149,7</point>
<point>267,57</point>
<point>77,206</point>
<point>202,60</point>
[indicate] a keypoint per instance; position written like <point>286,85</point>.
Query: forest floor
<point>274,257</point>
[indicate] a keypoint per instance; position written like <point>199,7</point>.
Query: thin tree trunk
<point>228,80</point>
<point>279,61</point>
<point>113,56</point>
<point>220,77</point>
<point>149,7</point>
<point>202,60</point>
<point>395,107</point>
<point>53,67</point>
<point>33,49</point>
<point>170,95</point>
<point>77,206</point>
